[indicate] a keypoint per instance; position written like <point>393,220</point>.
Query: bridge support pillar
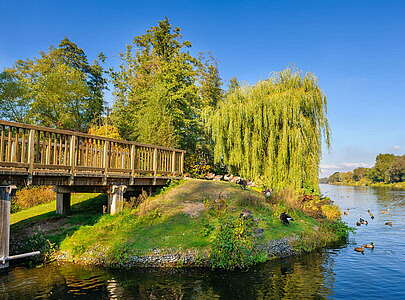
<point>62,203</point>
<point>5,200</point>
<point>116,199</point>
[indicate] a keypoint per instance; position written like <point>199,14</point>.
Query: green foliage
<point>331,212</point>
<point>234,245</point>
<point>156,96</point>
<point>359,173</point>
<point>210,90</point>
<point>273,131</point>
<point>382,163</point>
<point>207,229</point>
<point>65,91</point>
<point>109,131</point>
<point>388,169</point>
<point>337,227</point>
<point>14,102</point>
<point>233,85</point>
<point>38,242</point>
<point>196,165</point>
<point>163,94</point>
<point>328,232</point>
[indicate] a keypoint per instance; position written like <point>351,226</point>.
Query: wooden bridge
<point>78,162</point>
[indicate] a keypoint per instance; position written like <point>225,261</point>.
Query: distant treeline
<point>388,168</point>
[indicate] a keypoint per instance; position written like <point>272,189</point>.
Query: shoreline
<point>400,186</point>
<point>275,250</point>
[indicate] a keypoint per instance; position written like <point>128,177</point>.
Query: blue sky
<point>355,48</point>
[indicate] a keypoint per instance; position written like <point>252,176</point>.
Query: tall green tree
<point>210,83</point>
<point>396,171</point>
<point>233,85</point>
<point>382,164</point>
<point>210,93</point>
<point>359,173</point>
<point>65,90</point>
<point>156,90</point>
<point>14,101</point>
<point>272,132</point>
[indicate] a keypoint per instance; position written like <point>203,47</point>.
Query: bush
<point>234,246</point>
<point>339,228</point>
<point>312,204</point>
<point>32,196</point>
<point>38,242</point>
<point>331,212</point>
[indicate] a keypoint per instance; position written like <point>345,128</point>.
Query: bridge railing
<point>40,149</point>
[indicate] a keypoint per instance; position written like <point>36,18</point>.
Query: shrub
<point>339,228</point>
<point>329,233</point>
<point>32,196</point>
<point>38,242</point>
<point>196,165</point>
<point>234,246</point>
<point>312,206</point>
<point>331,212</point>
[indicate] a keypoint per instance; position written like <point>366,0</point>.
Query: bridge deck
<point>45,156</point>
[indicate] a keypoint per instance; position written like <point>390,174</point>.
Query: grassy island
<point>190,223</point>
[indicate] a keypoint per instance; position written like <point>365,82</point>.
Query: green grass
<point>178,219</point>
<point>163,223</point>
<point>46,210</point>
<point>85,209</point>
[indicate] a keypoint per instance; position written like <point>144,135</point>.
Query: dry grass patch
<point>189,197</point>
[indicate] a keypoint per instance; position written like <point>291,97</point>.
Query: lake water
<point>339,273</point>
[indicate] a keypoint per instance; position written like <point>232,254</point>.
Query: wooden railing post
<point>181,163</point>
<point>72,156</point>
<point>155,163</point>
<point>31,154</point>
<point>173,163</point>
<point>105,161</point>
<point>133,164</point>
<point>13,150</point>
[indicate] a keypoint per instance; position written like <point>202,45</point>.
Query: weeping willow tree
<point>272,132</point>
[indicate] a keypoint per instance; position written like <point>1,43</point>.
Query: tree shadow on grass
<point>53,227</point>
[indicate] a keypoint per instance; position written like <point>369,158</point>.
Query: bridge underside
<point>84,180</point>
<point>118,187</point>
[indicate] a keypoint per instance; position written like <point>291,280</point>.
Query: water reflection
<point>293,278</point>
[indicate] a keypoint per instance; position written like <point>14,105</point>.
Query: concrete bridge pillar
<point>5,203</point>
<point>116,199</point>
<point>62,203</point>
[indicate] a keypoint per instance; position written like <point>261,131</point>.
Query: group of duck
<point>362,221</point>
